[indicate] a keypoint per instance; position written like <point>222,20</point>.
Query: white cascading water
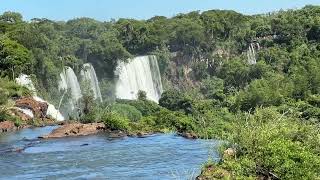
<point>25,111</point>
<point>25,80</point>
<point>69,81</point>
<point>69,84</point>
<point>88,74</point>
<point>52,112</point>
<point>252,54</point>
<point>140,73</point>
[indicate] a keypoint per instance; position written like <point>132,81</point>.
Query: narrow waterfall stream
<point>88,74</point>
<point>69,83</point>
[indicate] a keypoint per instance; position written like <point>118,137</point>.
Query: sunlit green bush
<point>115,121</point>
<point>271,144</point>
<point>126,111</point>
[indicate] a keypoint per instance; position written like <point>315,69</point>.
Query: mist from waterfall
<point>88,74</point>
<point>140,73</point>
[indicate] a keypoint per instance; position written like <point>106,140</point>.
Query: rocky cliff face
<point>39,109</point>
<point>26,111</point>
<point>179,73</point>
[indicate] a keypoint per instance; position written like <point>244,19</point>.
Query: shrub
<point>174,120</point>
<point>263,92</point>
<point>90,117</point>
<point>115,121</point>
<point>146,124</point>
<point>213,88</point>
<point>142,95</point>
<point>175,101</point>
<point>127,111</point>
<point>275,145</point>
<point>146,107</point>
<point>12,89</point>
<point>3,96</point>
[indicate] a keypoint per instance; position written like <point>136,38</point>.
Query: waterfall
<point>252,54</point>
<point>140,73</point>
<point>69,82</point>
<point>88,74</point>
<point>25,80</point>
<point>52,112</point>
<point>25,111</point>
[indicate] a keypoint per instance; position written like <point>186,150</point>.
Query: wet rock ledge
<point>75,129</point>
<point>7,126</point>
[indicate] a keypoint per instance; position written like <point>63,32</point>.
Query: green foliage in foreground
<point>271,144</point>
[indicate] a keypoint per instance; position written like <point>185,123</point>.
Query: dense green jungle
<point>251,81</point>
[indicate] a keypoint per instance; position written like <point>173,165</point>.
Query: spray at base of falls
<point>88,74</point>
<point>52,112</point>
<point>140,73</point>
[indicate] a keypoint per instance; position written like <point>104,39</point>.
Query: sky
<point>105,10</point>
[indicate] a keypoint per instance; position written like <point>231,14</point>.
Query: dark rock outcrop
<point>188,135</point>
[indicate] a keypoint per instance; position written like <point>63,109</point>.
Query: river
<point>159,156</point>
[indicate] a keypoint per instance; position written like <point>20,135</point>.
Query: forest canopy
<point>212,87</point>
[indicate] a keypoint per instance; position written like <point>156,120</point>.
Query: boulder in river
<point>7,126</point>
<point>75,129</point>
<point>188,135</point>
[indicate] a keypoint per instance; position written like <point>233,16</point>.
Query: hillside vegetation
<point>268,112</point>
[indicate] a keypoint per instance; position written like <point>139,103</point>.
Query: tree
<point>264,92</point>
<point>235,74</point>
<point>142,95</point>
<point>14,58</point>
<point>213,88</point>
<point>11,17</point>
<point>175,101</point>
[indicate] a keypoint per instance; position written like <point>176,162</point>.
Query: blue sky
<point>139,9</point>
